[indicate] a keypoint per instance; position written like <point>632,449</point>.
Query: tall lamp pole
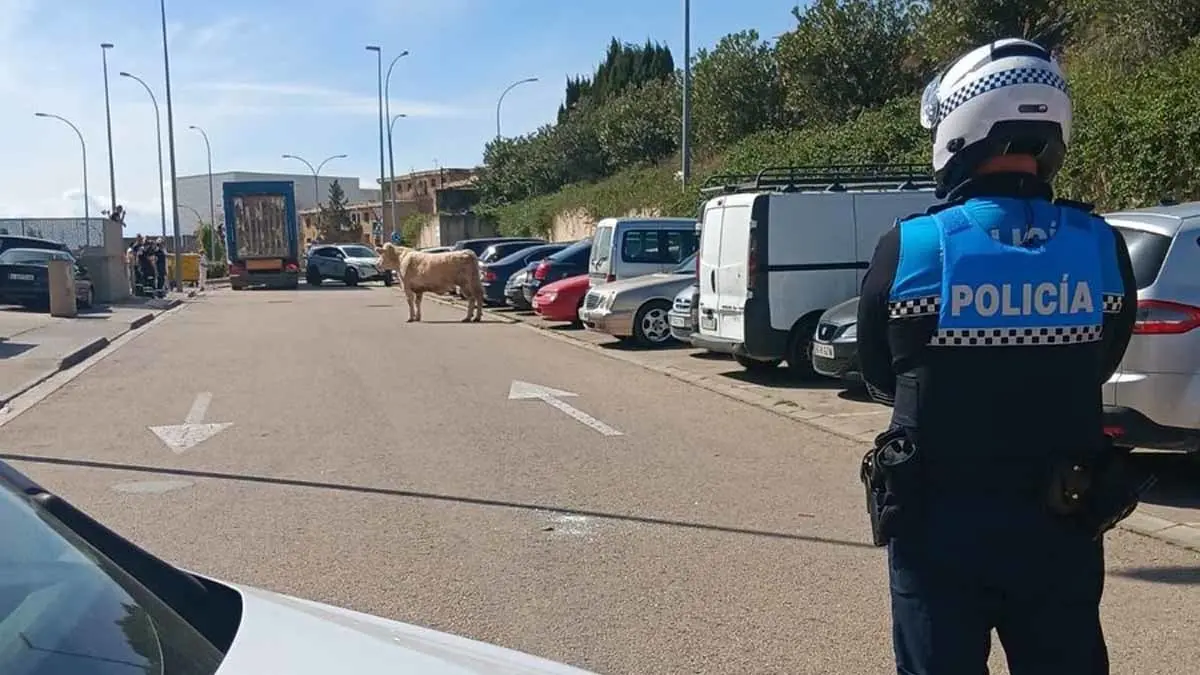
<point>212,200</point>
<point>685,144</point>
<point>162,188</point>
<point>387,113</point>
<point>379,60</point>
<point>112,171</point>
<point>162,6</point>
<point>87,225</point>
<point>505,93</point>
<point>316,171</point>
<point>392,166</point>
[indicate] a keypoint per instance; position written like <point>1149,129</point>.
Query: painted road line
<point>526,391</point>
<point>194,431</point>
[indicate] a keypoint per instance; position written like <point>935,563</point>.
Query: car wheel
<point>351,278</point>
<point>387,279</point>
<point>312,276</point>
<point>756,365</point>
<point>799,353</point>
<point>89,298</point>
<point>650,326</point>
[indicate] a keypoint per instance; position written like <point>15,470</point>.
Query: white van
<point>630,247</point>
<point>779,249</point>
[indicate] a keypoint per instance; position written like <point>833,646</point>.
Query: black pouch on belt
<point>889,474</point>
<point>1098,492</point>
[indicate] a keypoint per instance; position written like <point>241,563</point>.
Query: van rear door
<point>710,261</point>
<point>600,262</point>
<point>732,268</point>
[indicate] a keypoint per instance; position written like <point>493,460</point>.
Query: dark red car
<point>561,300</point>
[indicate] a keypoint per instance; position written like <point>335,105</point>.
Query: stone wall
<point>578,224</point>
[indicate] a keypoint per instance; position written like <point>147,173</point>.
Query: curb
<point>1168,531</point>
<point>141,321</point>
<point>81,354</point>
<point>70,359</point>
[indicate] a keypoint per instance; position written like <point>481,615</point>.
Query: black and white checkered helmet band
<point>934,109</point>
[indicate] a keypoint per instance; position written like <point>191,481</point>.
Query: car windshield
<point>359,252</point>
<point>22,256</point>
<point>65,608</point>
<point>688,266</point>
<point>1147,250</point>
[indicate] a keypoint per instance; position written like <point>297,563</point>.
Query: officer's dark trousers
<point>972,564</point>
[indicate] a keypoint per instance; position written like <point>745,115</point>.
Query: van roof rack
<point>823,178</point>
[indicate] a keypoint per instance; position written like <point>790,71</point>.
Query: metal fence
<point>74,232</point>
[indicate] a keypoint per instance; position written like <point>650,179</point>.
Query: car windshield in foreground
<point>36,256</point>
<point>688,266</point>
<point>1147,250</point>
<point>359,252</point>
<point>65,608</point>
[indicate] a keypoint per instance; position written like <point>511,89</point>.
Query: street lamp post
<point>392,167</point>
<point>162,189</point>
<point>112,171</point>
<point>387,113</point>
<point>685,141</point>
<point>212,200</point>
<point>162,6</point>
<point>87,225</point>
<point>316,172</point>
<point>379,60</point>
<point>505,93</point>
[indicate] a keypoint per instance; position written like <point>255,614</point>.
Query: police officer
<point>990,324</point>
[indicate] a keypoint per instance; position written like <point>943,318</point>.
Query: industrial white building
<point>193,193</point>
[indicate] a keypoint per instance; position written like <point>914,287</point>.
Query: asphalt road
<point>381,466</point>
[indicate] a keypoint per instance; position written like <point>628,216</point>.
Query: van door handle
<point>712,279</point>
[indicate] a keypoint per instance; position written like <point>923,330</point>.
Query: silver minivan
<point>1153,400</point>
<point>630,247</point>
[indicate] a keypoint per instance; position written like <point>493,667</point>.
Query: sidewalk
<point>34,346</point>
<point>1170,512</point>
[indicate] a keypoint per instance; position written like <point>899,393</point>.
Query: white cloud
<point>272,96</point>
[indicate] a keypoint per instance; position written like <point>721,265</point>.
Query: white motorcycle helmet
<point>1007,97</point>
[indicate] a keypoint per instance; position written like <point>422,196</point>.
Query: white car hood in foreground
<point>289,636</point>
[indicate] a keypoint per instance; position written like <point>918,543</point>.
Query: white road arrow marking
<point>525,391</point>
<point>194,431</point>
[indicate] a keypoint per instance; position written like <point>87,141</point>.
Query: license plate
<point>678,321</point>
<point>708,323</point>
<point>257,265</point>
<point>21,277</point>
<point>822,350</point>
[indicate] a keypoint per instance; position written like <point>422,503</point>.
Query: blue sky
<point>267,77</point>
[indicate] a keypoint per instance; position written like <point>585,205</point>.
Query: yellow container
<point>191,267</point>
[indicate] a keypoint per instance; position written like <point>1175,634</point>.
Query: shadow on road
<point>857,394</point>
<point>1178,478</point>
<point>10,350</point>
<point>781,378</point>
<point>1162,575</point>
<point>412,494</point>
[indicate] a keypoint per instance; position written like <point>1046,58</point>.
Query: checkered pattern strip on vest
<point>1113,303</point>
<point>1004,78</point>
<point>901,309</point>
<point>1012,337</point>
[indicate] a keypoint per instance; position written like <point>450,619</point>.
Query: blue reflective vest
<point>987,292</point>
